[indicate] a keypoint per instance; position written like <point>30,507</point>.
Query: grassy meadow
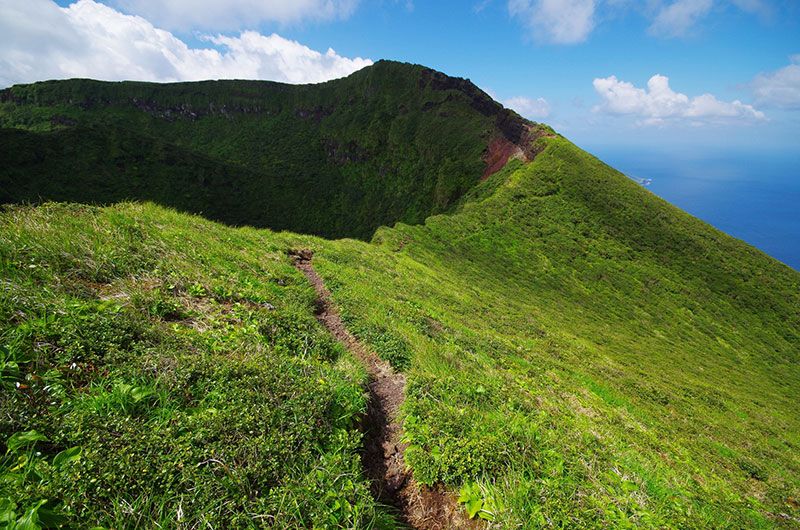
<point>163,371</point>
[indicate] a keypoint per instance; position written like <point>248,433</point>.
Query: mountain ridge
<point>322,144</point>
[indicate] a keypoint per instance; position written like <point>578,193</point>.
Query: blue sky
<point>730,69</point>
<point>721,54</point>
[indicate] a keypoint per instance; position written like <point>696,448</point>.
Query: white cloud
<point>759,7</point>
<point>234,14</point>
<point>89,39</point>
<point>658,103</point>
<point>677,18</point>
<point>780,88</point>
<point>556,21</point>
<point>572,21</point>
<point>530,108</point>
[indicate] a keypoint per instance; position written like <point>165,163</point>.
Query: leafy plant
<point>477,502</point>
<point>10,373</point>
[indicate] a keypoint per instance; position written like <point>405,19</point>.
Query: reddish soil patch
<point>502,149</point>
<point>421,507</point>
<point>497,155</point>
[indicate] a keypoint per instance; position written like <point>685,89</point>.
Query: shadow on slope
<point>392,142</point>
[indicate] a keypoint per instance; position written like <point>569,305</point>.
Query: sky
<point>689,74</point>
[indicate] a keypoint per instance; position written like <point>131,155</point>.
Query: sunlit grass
<point>181,362</point>
<point>587,353</point>
<point>579,354</point>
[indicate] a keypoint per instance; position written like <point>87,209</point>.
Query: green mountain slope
<point>595,356</point>
<point>578,354</point>
<point>391,142</point>
<point>176,367</point>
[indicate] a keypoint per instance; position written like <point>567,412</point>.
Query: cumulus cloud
<point>89,39</point>
<point>530,108</point>
<point>678,17</point>
<point>658,103</point>
<point>556,21</point>
<point>234,14</point>
<point>780,88</point>
<point>675,19</point>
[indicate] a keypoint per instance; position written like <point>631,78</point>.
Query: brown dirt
<point>421,507</point>
<point>503,148</point>
<point>497,155</point>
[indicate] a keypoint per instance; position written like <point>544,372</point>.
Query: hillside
<point>576,352</point>
<point>393,142</point>
<point>594,356</point>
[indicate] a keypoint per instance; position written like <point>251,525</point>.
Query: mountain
<point>575,351</point>
<point>393,142</point>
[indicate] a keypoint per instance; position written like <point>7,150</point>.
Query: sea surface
<point>751,196</point>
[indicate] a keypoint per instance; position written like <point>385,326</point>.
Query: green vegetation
<point>578,352</point>
<point>586,355</point>
<point>158,368</point>
<point>391,142</point>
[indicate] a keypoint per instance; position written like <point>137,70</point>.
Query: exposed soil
<point>421,507</point>
<point>502,149</point>
<point>497,155</point>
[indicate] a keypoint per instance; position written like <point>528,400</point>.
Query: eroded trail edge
<point>393,484</point>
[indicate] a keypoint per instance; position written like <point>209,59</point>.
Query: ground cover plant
<point>159,369</point>
<point>335,159</point>
<point>583,354</point>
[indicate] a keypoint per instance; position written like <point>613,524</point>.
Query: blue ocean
<point>751,196</point>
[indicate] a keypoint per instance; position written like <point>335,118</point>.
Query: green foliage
<point>23,439</point>
<point>578,353</point>
<point>587,353</point>
<point>186,384</point>
<point>335,159</point>
<point>478,502</point>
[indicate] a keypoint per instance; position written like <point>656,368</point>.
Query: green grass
<point>587,354</point>
<point>179,364</point>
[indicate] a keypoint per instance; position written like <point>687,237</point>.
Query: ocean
<point>751,196</point>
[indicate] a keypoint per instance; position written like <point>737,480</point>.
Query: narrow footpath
<point>421,508</point>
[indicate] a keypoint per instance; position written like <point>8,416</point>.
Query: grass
<point>177,368</point>
<point>585,354</point>
<point>337,159</point>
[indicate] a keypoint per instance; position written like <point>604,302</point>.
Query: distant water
<point>752,197</point>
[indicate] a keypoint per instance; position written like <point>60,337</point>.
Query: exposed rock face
<point>518,135</point>
<point>316,114</point>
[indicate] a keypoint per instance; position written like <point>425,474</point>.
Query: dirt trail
<point>421,507</point>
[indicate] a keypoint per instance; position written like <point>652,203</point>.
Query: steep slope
<point>586,353</point>
<point>562,369</point>
<point>393,142</point>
